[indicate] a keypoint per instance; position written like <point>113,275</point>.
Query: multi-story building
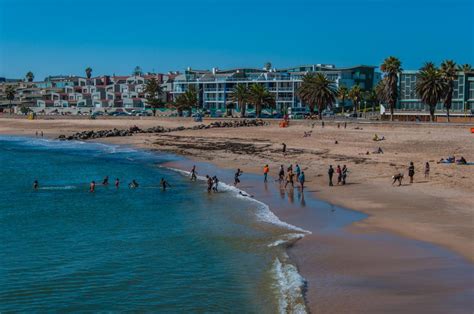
<point>215,86</point>
<point>409,102</point>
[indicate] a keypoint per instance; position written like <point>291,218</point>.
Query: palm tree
<point>465,68</point>
<point>317,90</point>
<point>370,97</point>
<point>153,93</point>
<point>186,100</point>
<point>10,94</point>
<point>240,96</point>
<point>391,66</point>
<point>355,94</point>
<point>30,76</point>
<point>88,72</point>
<point>342,95</point>
<point>430,86</point>
<point>260,97</point>
<point>380,91</point>
<point>448,70</point>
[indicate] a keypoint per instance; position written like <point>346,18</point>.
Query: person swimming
<point>117,183</point>
<point>35,185</point>
<point>92,187</point>
<point>105,181</point>
<point>133,184</point>
<point>164,184</point>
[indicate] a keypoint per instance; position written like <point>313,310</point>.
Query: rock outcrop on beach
<point>86,135</point>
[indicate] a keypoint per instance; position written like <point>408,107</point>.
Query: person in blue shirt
<point>301,180</point>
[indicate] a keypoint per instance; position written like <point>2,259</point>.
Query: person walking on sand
<point>164,184</point>
<point>297,170</point>
<point>411,172</point>
<point>281,174</point>
<point>339,174</point>
<point>236,177</point>
<point>35,185</point>
<point>301,179</point>
<point>290,179</point>
<point>42,133</point>
<point>284,148</point>
<point>266,169</point>
<point>92,187</point>
<point>36,133</point>
<point>344,174</point>
<point>193,174</point>
<point>427,170</point>
<point>330,174</point>
<point>117,183</point>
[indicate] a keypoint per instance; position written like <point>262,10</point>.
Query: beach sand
<point>438,210</point>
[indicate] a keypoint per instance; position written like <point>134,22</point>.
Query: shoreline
<point>362,200</point>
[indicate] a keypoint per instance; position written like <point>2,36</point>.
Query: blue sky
<point>113,36</point>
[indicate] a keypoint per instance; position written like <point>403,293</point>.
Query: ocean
<point>63,248</point>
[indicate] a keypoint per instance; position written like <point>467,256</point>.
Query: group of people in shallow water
<point>105,182</point>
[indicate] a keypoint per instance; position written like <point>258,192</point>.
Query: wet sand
<point>349,272</point>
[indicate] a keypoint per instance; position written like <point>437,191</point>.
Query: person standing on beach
<point>164,184</point>
<point>344,174</point>
<point>284,148</point>
<point>297,170</point>
<point>42,133</point>
<point>301,180</point>
<point>290,178</point>
<point>92,187</point>
<point>36,133</point>
<point>281,174</point>
<point>266,169</point>
<point>236,177</point>
<point>427,170</point>
<point>411,171</point>
<point>193,174</point>
<point>330,174</point>
<point>339,174</point>
<point>35,185</point>
<point>117,183</point>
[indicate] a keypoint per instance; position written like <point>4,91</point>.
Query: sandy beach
<point>437,210</point>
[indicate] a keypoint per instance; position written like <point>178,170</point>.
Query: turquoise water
<point>183,250</point>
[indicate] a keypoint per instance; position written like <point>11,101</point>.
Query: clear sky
<point>113,36</point>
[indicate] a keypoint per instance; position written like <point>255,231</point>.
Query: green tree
<point>260,97</point>
<point>153,92</point>
<point>30,76</point>
<point>391,67</point>
<point>370,98</point>
<point>449,72</point>
<point>88,72</point>
<point>10,94</point>
<point>186,100</point>
<point>342,95</point>
<point>317,90</point>
<point>380,91</point>
<point>355,94</point>
<point>240,96</point>
<point>465,68</point>
<point>430,86</point>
